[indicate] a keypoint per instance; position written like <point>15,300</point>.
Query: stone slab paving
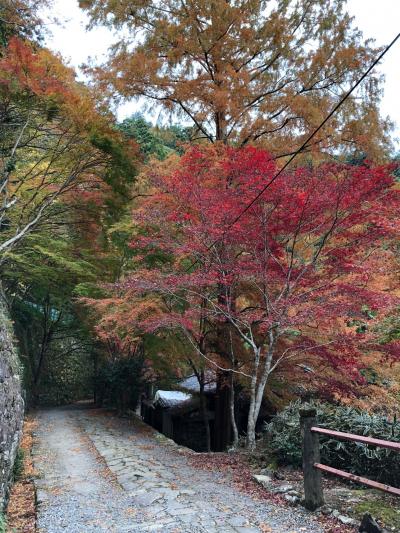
<point>99,473</point>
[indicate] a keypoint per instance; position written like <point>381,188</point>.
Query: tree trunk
<point>38,371</point>
<point>251,432</point>
<point>220,128</point>
<point>49,328</point>
<point>204,414</point>
<point>251,420</point>
<point>95,372</point>
<point>257,390</point>
<point>235,441</point>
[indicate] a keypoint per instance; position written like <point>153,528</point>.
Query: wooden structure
<point>313,493</point>
<point>178,415</point>
<point>312,467</point>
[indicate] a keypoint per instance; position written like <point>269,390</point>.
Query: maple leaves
<point>64,173</point>
<point>282,280</point>
<point>53,140</point>
<point>30,70</point>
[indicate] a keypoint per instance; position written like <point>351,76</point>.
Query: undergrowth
<point>3,523</point>
<point>18,469</point>
<point>283,439</point>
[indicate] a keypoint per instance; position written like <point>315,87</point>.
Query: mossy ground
<point>385,510</point>
<point>347,498</point>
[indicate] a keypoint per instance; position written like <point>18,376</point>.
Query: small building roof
<point>171,398</point>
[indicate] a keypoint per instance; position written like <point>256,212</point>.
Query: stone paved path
<point>98,473</point>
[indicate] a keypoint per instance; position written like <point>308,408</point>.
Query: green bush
<point>18,468</point>
<point>3,524</point>
<point>67,377</point>
<point>283,438</point>
<point>119,383</point>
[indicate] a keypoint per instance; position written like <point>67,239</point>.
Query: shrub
<point>18,468</point>
<point>3,524</point>
<point>284,439</point>
<point>119,383</point>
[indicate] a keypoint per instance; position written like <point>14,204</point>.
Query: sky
<point>378,20</point>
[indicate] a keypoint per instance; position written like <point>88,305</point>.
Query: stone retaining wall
<point>11,404</point>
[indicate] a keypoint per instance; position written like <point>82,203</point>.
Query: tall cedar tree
<point>245,71</point>
<point>294,269</point>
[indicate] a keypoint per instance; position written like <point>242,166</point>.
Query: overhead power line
<point>305,143</point>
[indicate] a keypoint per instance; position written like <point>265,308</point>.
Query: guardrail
<point>312,467</point>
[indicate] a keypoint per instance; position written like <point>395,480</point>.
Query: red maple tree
<point>283,281</point>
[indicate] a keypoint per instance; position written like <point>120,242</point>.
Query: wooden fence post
<point>313,493</point>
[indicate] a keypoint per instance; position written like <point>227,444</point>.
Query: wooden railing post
<point>313,493</point>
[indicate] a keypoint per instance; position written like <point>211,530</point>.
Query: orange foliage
<point>245,71</point>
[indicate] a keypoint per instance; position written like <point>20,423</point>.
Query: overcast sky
<point>379,20</point>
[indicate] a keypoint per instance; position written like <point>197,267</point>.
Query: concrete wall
<point>11,404</point>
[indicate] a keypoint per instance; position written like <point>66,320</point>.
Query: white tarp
<point>170,398</point>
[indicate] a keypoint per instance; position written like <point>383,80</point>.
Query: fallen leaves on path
<point>237,467</point>
<point>131,511</point>
<point>21,512</point>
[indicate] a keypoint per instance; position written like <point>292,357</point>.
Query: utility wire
<point>305,143</point>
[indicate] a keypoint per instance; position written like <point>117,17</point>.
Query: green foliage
<point>371,376</point>
<point>284,439</point>
<point>40,278</point>
<point>361,326</point>
<point>48,264</point>
<point>68,373</point>
<point>18,469</point>
<point>172,348</point>
<point>64,258</point>
<point>119,382</point>
<point>390,328</point>
<point>357,159</point>
<point>139,129</point>
<point>121,169</point>
<point>154,141</point>
<point>396,172</point>
<point>3,523</point>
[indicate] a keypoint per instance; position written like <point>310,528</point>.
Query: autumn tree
<point>245,71</point>
<point>64,257</point>
<point>40,281</point>
<point>154,141</point>
<point>292,271</point>
<point>52,137</point>
<point>20,18</point>
<point>65,173</point>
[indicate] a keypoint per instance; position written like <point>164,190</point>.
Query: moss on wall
<point>11,404</point>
